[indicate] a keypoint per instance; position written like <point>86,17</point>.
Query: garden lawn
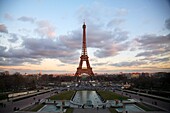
<point>63,96</point>
<point>69,110</point>
<point>108,95</point>
<point>37,107</point>
<point>112,110</point>
<point>148,107</point>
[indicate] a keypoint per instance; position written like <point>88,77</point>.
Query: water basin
<point>130,107</point>
<point>87,97</point>
<point>50,108</point>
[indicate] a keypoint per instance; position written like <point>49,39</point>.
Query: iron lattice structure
<point>84,57</point>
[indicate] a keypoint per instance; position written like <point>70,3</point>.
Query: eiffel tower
<point>84,57</point>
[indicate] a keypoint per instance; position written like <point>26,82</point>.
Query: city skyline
<point>122,36</point>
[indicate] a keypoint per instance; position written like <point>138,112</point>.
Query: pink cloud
<point>45,29</point>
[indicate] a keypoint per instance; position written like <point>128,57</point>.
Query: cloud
<point>2,48</point>
<point>33,50</point>
<point>45,29</point>
<point>120,35</point>
<point>107,43</point>
<point>153,45</point>
<point>13,37</point>
<point>27,19</point>
<point>167,23</point>
<point>70,59</point>
<point>155,60</point>
<point>18,61</point>
<point>128,64</point>
<point>47,48</point>
<point>65,47</point>
<point>10,57</point>
<point>115,22</point>
<point>93,59</point>
<point>89,15</point>
<point>100,64</point>
<point>121,12</point>
<point>166,59</point>
<point>8,16</point>
<point>152,39</point>
<point>73,40</point>
<point>3,28</point>
<point>109,50</point>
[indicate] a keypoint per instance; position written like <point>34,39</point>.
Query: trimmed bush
<point>3,96</point>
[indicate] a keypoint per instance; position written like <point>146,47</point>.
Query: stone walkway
<point>94,110</point>
<point>89,110</point>
<point>22,103</point>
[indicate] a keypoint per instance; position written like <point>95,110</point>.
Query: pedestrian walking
<point>97,108</point>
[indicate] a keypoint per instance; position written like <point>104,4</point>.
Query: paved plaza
<point>160,104</point>
<point>92,110</point>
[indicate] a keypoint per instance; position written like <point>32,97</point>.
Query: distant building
<point>4,73</point>
<point>145,74</point>
<point>126,86</point>
<point>128,75</point>
<point>135,75</point>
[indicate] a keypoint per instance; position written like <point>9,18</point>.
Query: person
<point>83,106</point>
<point>14,108</point>
<point>39,100</point>
<point>63,102</point>
<point>7,99</point>
<point>97,108</point>
<point>2,104</point>
<point>116,101</point>
<point>104,106</point>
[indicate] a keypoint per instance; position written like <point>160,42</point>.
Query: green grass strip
<point>69,110</point>
<point>112,110</point>
<point>63,96</point>
<point>37,107</point>
<point>148,107</point>
<point>108,95</point>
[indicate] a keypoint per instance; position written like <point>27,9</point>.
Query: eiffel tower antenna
<point>84,21</point>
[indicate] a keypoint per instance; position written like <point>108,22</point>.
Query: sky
<point>122,35</point>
